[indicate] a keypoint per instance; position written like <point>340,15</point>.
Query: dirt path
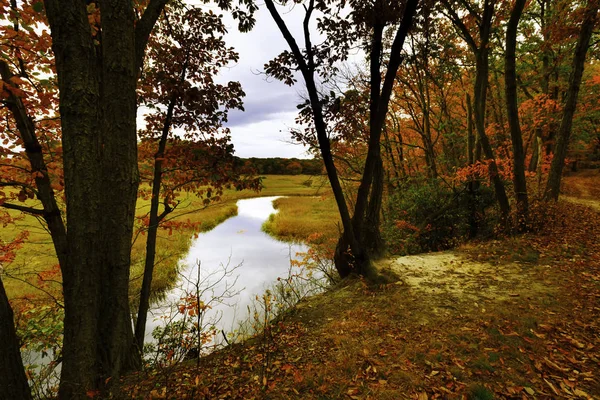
<point>582,188</point>
<point>450,278</point>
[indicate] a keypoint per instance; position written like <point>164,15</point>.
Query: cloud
<point>268,138</point>
<point>263,129</point>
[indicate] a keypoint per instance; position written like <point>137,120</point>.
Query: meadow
<point>311,210</point>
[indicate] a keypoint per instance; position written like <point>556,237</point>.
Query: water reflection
<point>237,242</point>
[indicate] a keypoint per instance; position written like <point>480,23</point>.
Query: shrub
<point>429,215</point>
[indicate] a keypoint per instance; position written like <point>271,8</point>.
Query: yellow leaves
<point>352,392</point>
<point>159,393</point>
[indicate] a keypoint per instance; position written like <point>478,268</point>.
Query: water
<point>236,261</point>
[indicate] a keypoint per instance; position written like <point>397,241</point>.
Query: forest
<point>449,199</point>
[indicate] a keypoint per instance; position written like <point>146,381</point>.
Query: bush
<point>428,215</point>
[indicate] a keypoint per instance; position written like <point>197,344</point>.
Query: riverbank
<point>36,259</point>
<point>510,318</point>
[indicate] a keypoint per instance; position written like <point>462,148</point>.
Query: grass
<point>300,218</point>
<point>37,254</point>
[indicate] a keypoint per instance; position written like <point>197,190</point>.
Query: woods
<point>433,122</point>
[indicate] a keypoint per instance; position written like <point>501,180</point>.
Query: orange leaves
<point>405,225</point>
<point>8,249</point>
<point>481,170</point>
<point>192,306</point>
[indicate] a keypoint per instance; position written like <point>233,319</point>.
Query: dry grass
<point>301,218</point>
<point>37,255</point>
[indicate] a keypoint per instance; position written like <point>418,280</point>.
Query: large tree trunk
<point>13,382</point>
<point>372,236</point>
<point>520,184</point>
<point>119,186</point>
<point>564,132</point>
<point>78,84</point>
<point>97,84</point>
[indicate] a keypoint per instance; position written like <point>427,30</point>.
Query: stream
<point>234,262</point>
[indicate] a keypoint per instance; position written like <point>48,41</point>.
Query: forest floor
<point>517,317</point>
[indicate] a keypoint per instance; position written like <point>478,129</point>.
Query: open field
<point>37,255</point>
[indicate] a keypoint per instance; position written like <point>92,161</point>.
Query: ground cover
<point>511,318</point>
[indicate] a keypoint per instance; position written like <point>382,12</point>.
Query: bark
<point>564,132</point>
<point>119,186</point>
<point>373,240</point>
<point>98,114</point>
<point>78,84</point>
<point>520,184</point>
<point>13,382</point>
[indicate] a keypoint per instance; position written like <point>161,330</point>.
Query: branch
<point>287,35</point>
<point>457,22</point>
<point>471,10</point>
<point>29,210</point>
<point>168,209</point>
<point>144,27</point>
<point>308,44</point>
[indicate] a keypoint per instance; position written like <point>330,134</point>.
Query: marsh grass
<point>37,254</point>
<point>300,218</point>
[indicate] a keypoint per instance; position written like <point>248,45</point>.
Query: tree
<point>510,80</point>
<point>177,87</point>
<point>564,132</point>
<point>360,238</point>
<point>480,47</point>
<point>98,52</point>
<point>13,382</point>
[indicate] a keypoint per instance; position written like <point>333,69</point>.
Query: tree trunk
<point>140,325</point>
<point>51,213</point>
<point>97,83</point>
<point>480,98</point>
<point>472,185</point>
<point>479,111</point>
<point>13,382</point>
<point>379,104</point>
<point>307,68</point>
<point>78,83</point>
<point>564,132</point>
<point>372,237</point>
<point>520,184</point>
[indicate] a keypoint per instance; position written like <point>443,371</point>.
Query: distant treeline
<point>283,166</point>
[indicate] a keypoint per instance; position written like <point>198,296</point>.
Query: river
<point>236,261</point>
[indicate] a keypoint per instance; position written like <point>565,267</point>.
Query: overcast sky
<point>263,129</point>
